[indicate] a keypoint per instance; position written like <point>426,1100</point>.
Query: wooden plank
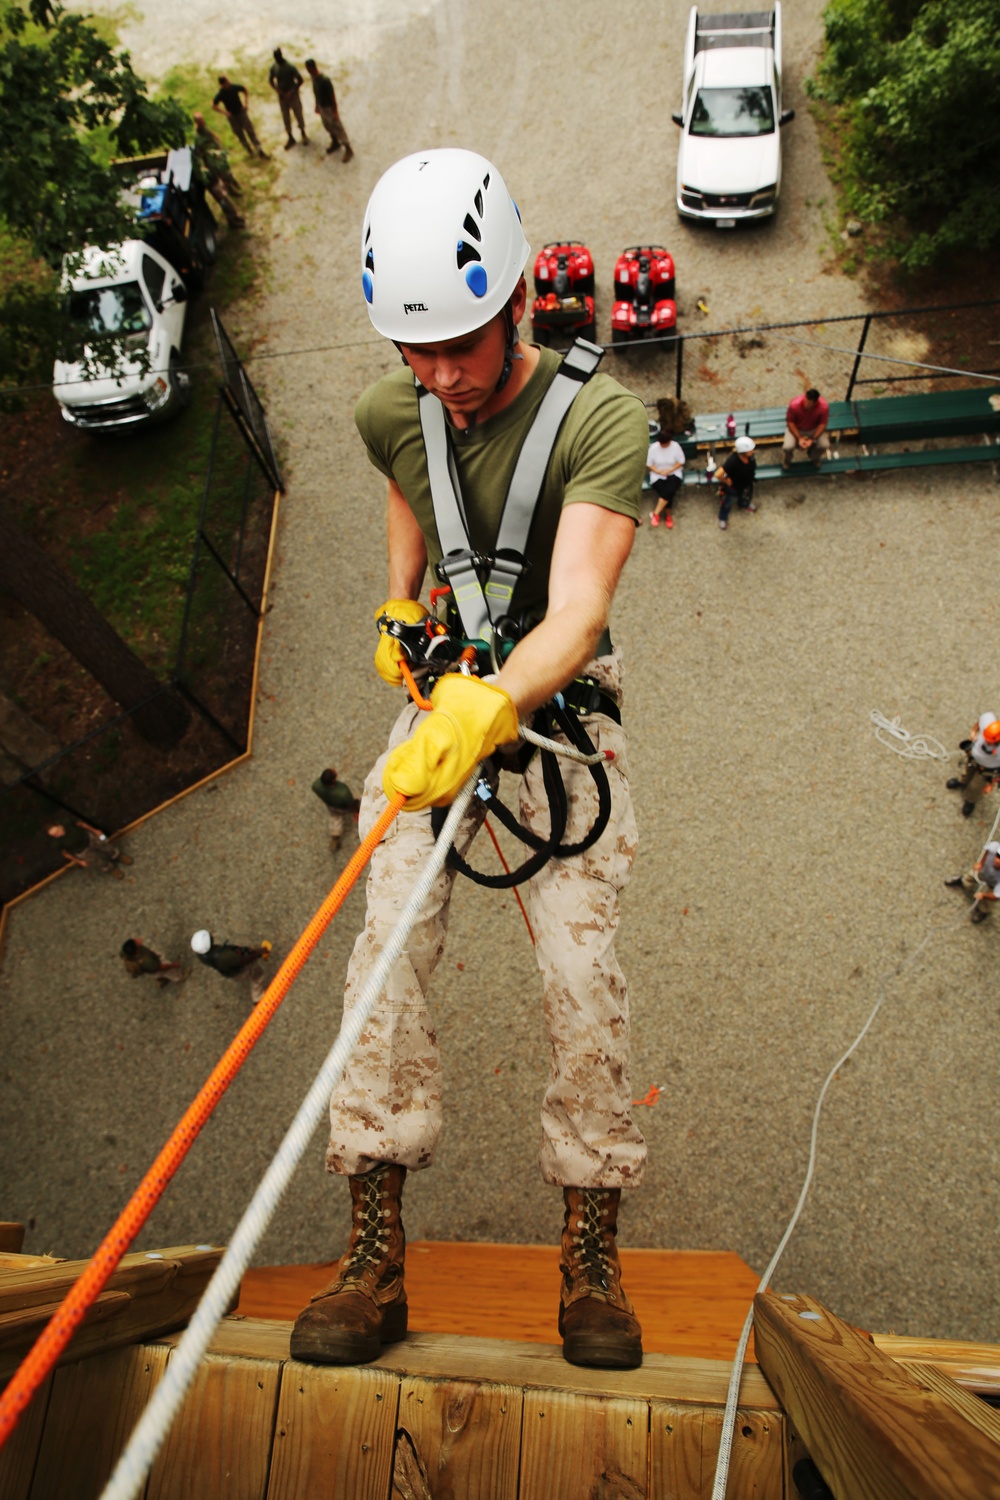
<point>334,1434</point>
<point>684,1450</point>
<point>698,1306</point>
<point>457,1440</point>
<point>19,1453</point>
<point>220,1443</point>
<point>688,1302</point>
<point>11,1262</point>
<point>970,1407</point>
<point>976,1367</point>
<point>11,1237</point>
<point>94,1406</point>
<point>573,1446</point>
<point>872,1430</point>
<point>143,1298</point>
<point>661,1376</point>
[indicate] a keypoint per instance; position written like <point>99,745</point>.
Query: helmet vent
<point>471,227</point>
<point>479,204</point>
<point>466,253</point>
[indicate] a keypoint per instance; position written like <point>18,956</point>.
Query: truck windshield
<point>110,309</point>
<point>733,112</point>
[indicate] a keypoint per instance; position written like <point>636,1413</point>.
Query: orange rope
<point>517,893</point>
<point>67,1318</point>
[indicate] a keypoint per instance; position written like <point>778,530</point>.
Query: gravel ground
<point>789,864</point>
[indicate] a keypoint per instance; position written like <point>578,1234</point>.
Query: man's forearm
<point>552,654</point>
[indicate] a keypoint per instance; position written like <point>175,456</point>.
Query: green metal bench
<point>901,419</point>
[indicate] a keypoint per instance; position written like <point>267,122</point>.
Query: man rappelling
<point>514,476</point>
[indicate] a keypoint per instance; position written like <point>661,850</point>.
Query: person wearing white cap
<point>230,960</point>
<point>736,476</point>
<point>515,475</point>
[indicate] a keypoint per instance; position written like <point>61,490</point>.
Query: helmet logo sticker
<point>409,307</point>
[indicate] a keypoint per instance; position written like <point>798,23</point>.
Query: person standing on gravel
<point>233,101</point>
<point>326,108</point>
<point>982,762</point>
<point>443,257</point>
<point>286,80</point>
<point>230,960</point>
<point>140,960</point>
<point>100,854</point>
<point>985,873</point>
<point>338,799</point>
<point>736,476</point>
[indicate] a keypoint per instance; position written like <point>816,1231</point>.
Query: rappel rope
<point>890,732</point>
<point>739,1359</point>
<point>59,1330</point>
<point>151,1430</point>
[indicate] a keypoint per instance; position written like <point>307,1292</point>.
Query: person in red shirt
<point>805,428</point>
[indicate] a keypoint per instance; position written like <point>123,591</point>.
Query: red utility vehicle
<point>564,292</point>
<point>644,305</point>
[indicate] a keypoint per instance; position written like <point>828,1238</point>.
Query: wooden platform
<point>449,1415</point>
<point>689,1302</point>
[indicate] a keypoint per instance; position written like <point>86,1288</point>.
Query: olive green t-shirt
<point>599,458</point>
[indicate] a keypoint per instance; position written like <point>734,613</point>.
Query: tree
<point>916,89</point>
<point>69,103</point>
<point>30,575</point>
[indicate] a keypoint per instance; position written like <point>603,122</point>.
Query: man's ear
<point>519,300</point>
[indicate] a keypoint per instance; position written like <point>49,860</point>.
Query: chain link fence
<point>112,776</point>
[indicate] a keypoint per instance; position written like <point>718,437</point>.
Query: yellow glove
<point>469,720</point>
<point>389,652</point>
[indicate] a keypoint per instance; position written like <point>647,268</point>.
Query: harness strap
<point>479,605</point>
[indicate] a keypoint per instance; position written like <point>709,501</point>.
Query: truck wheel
<point>588,331</point>
<point>619,336</point>
<point>541,337</point>
<point>204,239</point>
<point>180,382</point>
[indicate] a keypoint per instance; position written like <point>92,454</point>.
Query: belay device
<point>482,590</point>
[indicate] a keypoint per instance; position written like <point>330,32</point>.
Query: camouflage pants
<point>975,779</point>
<point>387,1106</point>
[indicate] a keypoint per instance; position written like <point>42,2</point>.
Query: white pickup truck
<point>729,162</point>
<point>131,300</point>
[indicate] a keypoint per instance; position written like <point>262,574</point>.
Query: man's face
<point>461,372</point>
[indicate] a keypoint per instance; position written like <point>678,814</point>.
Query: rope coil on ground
<point>890,732</point>
<point>151,1430</point>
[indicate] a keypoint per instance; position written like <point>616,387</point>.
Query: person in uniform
<point>982,762</point>
<point>442,262</point>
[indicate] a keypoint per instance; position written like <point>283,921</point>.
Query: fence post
<point>680,364</point>
<point>857,357</point>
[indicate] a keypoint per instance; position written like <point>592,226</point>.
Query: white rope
<point>132,1468</point>
<point>559,748</point>
<point>891,733</point>
<point>736,1376</point>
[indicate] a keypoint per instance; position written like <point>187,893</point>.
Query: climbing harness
<point>479,629</point>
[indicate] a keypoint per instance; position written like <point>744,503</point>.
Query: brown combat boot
<point>364,1306</point>
<point>596,1319</point>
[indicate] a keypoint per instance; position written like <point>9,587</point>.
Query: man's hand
<point>469,720</point>
<point>390,651</point>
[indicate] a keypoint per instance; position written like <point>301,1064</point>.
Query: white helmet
<point>442,247</point>
<point>202,940</point>
<point>745,445</point>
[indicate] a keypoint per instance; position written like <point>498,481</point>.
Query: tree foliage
<point>62,89</point>
<point>916,86</point>
<point>69,102</point>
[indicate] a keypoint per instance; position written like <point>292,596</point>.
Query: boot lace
<point>370,1239</point>
<point>592,1254</point>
